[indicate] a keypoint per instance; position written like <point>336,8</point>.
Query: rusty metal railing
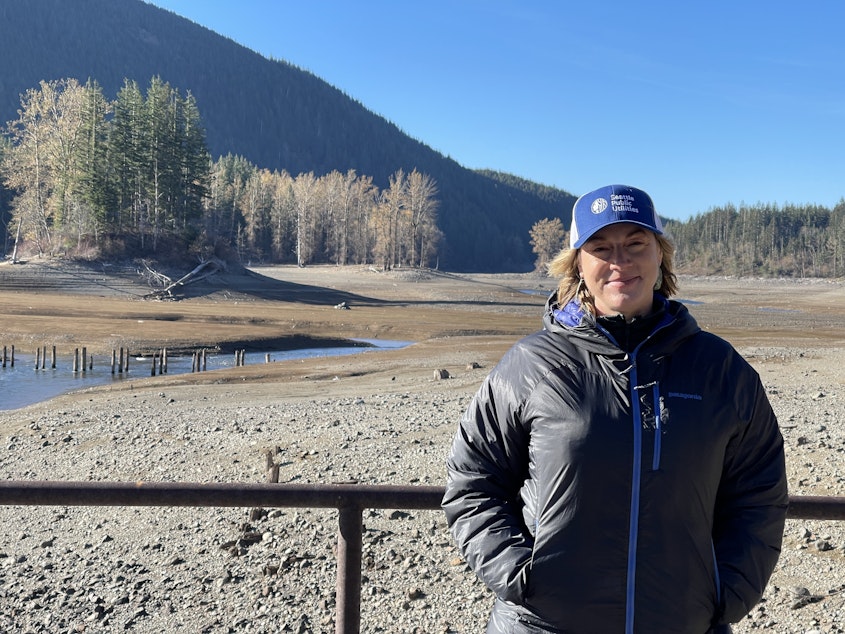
<point>349,499</point>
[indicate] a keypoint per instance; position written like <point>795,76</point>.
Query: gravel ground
<point>83,569</point>
<point>140,569</point>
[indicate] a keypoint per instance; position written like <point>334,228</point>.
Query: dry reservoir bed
<point>376,419</point>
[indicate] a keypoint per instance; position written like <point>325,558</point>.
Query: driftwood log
<point>202,271</point>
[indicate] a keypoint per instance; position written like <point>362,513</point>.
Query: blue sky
<point>701,104</point>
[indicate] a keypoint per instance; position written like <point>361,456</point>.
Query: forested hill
<point>273,114</point>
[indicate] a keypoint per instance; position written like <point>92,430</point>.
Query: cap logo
<point>624,203</point>
<point>598,206</point>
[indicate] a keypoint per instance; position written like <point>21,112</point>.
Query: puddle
<point>23,385</point>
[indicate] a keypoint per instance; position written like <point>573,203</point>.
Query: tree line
<point>88,177</point>
<point>762,240</point>
<point>87,172</point>
<point>337,218</point>
<point>131,177</point>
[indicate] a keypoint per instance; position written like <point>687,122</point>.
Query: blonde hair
<point>571,286</point>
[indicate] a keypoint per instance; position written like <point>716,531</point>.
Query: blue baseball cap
<point>608,205</point>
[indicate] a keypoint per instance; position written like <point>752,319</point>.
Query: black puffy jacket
<point>596,490</point>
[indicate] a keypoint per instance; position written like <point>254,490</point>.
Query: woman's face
<point>619,265</point>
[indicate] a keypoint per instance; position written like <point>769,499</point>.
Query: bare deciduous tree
<point>304,192</point>
<point>547,239</point>
<point>422,206</point>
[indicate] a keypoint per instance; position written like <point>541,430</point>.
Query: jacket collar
<point>573,319</point>
<point>572,314</point>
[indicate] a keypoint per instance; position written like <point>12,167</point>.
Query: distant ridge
<point>272,113</point>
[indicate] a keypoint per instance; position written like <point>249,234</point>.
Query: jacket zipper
<point>636,476</point>
<point>658,427</point>
<point>635,502</point>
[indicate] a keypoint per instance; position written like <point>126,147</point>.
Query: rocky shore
<point>378,418</point>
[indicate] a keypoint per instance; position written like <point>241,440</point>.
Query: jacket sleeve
<point>486,467</point>
<point>751,504</point>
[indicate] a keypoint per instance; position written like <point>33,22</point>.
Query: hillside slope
<point>270,112</point>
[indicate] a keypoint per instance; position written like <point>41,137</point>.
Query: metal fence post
<point>349,549</point>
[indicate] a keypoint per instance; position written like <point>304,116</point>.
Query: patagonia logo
<point>693,397</point>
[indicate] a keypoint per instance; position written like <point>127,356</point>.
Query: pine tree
<point>127,159</point>
<point>93,166</point>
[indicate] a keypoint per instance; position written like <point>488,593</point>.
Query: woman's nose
<point>618,255</point>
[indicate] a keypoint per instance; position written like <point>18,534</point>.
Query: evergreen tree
<point>92,159</point>
<point>161,155</point>
<point>126,154</point>
<point>196,164</point>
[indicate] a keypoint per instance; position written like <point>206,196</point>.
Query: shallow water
<point>23,385</point>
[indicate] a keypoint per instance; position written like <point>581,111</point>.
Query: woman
<point>620,470</point>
